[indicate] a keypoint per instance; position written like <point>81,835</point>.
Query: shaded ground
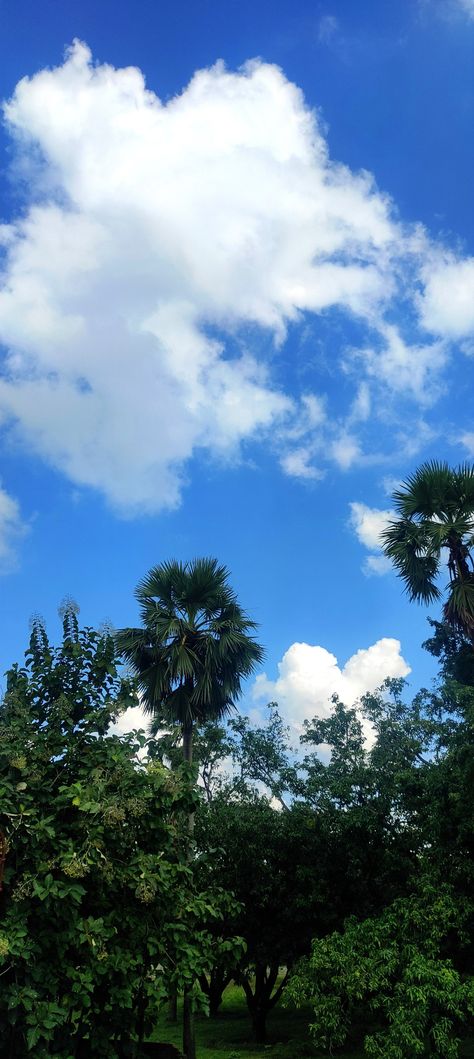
<point>228,1036</point>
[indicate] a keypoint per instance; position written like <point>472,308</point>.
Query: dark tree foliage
<point>435,509</point>
<point>98,911</point>
<point>407,969</point>
<point>454,651</point>
<point>267,860</point>
<point>194,649</point>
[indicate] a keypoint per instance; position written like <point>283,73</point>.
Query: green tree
<point>195,646</point>
<point>436,513</point>
<point>395,967</point>
<point>262,754</point>
<point>274,863</point>
<point>454,650</point>
<point>406,804</point>
<point>212,745</point>
<point>190,656</point>
<point>98,909</point>
<point>344,843</point>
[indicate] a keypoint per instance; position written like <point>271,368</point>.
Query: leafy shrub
<point>395,965</point>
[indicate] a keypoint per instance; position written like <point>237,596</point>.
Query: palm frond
<point>436,508</point>
<point>431,489</point>
<point>458,610</point>
<point>196,645</point>
<point>415,557</point>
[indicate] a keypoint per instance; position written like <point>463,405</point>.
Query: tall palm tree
<point>436,523</point>
<point>193,651</point>
<point>195,645</point>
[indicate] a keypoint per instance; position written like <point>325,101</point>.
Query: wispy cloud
<point>328,27</point>
<point>12,529</point>
<point>467,6</point>
<point>368,524</point>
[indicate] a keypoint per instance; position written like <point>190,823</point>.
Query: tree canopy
<point>98,909</point>
<point>436,513</point>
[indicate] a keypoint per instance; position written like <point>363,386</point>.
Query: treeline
<point>336,874</point>
<point>342,879</point>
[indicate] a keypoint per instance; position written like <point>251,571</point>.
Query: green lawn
<point>229,1037</point>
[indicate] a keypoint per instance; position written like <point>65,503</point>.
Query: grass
<point>229,1035</point>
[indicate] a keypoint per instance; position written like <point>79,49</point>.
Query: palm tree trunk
<point>188,758</point>
<point>188,742</point>
<point>189,1040</point>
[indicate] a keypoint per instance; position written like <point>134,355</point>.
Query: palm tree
<point>195,645</point>
<point>436,509</point>
<point>193,651</point>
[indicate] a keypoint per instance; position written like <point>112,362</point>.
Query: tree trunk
<point>215,998</point>
<point>189,1042</point>
<point>188,742</point>
<point>262,999</point>
<point>189,1039</point>
<point>259,1025</point>
<point>214,987</point>
<point>173,1007</point>
<point>188,758</point>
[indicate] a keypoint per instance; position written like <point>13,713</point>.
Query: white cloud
<point>156,233</point>
<point>308,675</point>
<point>301,440</point>
<point>12,528</point>
<point>361,405</point>
<point>345,451</point>
<point>407,368</point>
<point>467,439</point>
<point>376,564</point>
<point>297,464</point>
<point>149,222</point>
<point>131,719</point>
<point>391,484</point>
<point>447,302</point>
<point>368,524</point>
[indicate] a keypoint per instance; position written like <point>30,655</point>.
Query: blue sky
<point>236,307</point>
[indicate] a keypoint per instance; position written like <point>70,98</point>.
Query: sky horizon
<point>236,310</point>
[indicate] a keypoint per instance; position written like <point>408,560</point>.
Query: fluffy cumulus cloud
<point>309,675</point>
<point>158,238</point>
<point>12,528</point>
<point>447,303</point>
<point>368,524</point>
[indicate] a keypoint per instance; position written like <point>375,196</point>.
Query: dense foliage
<point>194,648</point>
<point>393,966</point>
<point>99,913</point>
<point>337,873</point>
